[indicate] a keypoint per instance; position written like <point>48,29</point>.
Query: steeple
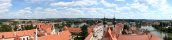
<point>114,20</point>
<point>104,21</point>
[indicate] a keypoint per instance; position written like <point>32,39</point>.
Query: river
<point>156,32</point>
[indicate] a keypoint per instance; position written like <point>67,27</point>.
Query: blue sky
<point>121,9</point>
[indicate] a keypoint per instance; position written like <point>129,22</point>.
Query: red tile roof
<point>65,35</point>
<point>8,34</point>
<point>17,38</point>
<point>133,37</point>
<point>78,30</point>
<point>89,36</point>
<point>45,28</point>
<point>48,30</point>
<point>75,30</point>
<point>18,33</point>
<point>109,35</point>
<point>118,28</point>
<point>154,37</point>
<point>26,33</point>
<point>0,35</point>
<point>90,30</point>
<point>66,28</point>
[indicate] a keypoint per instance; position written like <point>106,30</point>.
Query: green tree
<point>5,28</point>
<point>126,27</point>
<point>29,27</point>
<point>90,22</point>
<point>84,31</point>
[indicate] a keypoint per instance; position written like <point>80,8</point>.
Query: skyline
<point>122,9</point>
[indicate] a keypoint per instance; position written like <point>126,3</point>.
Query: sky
<point>120,9</point>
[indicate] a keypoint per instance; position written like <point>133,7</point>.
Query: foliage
<point>5,28</point>
<point>29,27</point>
<point>90,22</point>
<point>84,31</point>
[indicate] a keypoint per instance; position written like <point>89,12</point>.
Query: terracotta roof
<point>118,28</point>
<point>78,30</point>
<point>75,30</point>
<point>52,37</point>
<point>89,36</point>
<point>17,38</point>
<point>48,30</point>
<point>45,28</point>
<point>8,34</point>
<point>154,37</point>
<point>26,33</point>
<point>109,35</point>
<point>133,37</point>
<point>0,35</point>
<point>90,30</point>
<point>65,35</point>
<point>65,28</point>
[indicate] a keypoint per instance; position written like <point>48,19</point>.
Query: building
<point>116,34</point>
<point>45,29</point>
<point>22,35</point>
<point>64,35</point>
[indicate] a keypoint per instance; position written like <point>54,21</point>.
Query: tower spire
<point>114,19</point>
<point>104,21</point>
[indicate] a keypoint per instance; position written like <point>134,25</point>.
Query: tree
<point>84,31</point>
<point>126,27</point>
<point>29,27</point>
<point>5,28</point>
<point>90,22</point>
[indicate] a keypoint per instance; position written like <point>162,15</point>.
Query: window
<point>27,38</point>
<point>23,38</point>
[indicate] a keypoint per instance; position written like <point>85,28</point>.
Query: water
<point>154,31</point>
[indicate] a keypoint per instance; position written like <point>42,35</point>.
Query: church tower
<point>114,21</point>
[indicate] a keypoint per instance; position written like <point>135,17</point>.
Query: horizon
<point>80,18</point>
<point>120,9</point>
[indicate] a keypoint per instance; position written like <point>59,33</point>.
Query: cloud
<point>107,4</point>
<point>38,1</point>
<point>120,0</point>
<point>5,5</point>
<point>74,3</point>
<point>24,11</point>
<point>139,7</point>
<point>50,10</point>
<point>135,9</point>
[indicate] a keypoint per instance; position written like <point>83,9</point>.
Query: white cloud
<point>5,5</point>
<point>24,11</point>
<point>37,1</point>
<point>74,3</point>
<point>140,7</point>
<point>107,4</point>
<point>86,8</point>
<point>63,4</point>
<point>120,0</point>
<point>50,10</point>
